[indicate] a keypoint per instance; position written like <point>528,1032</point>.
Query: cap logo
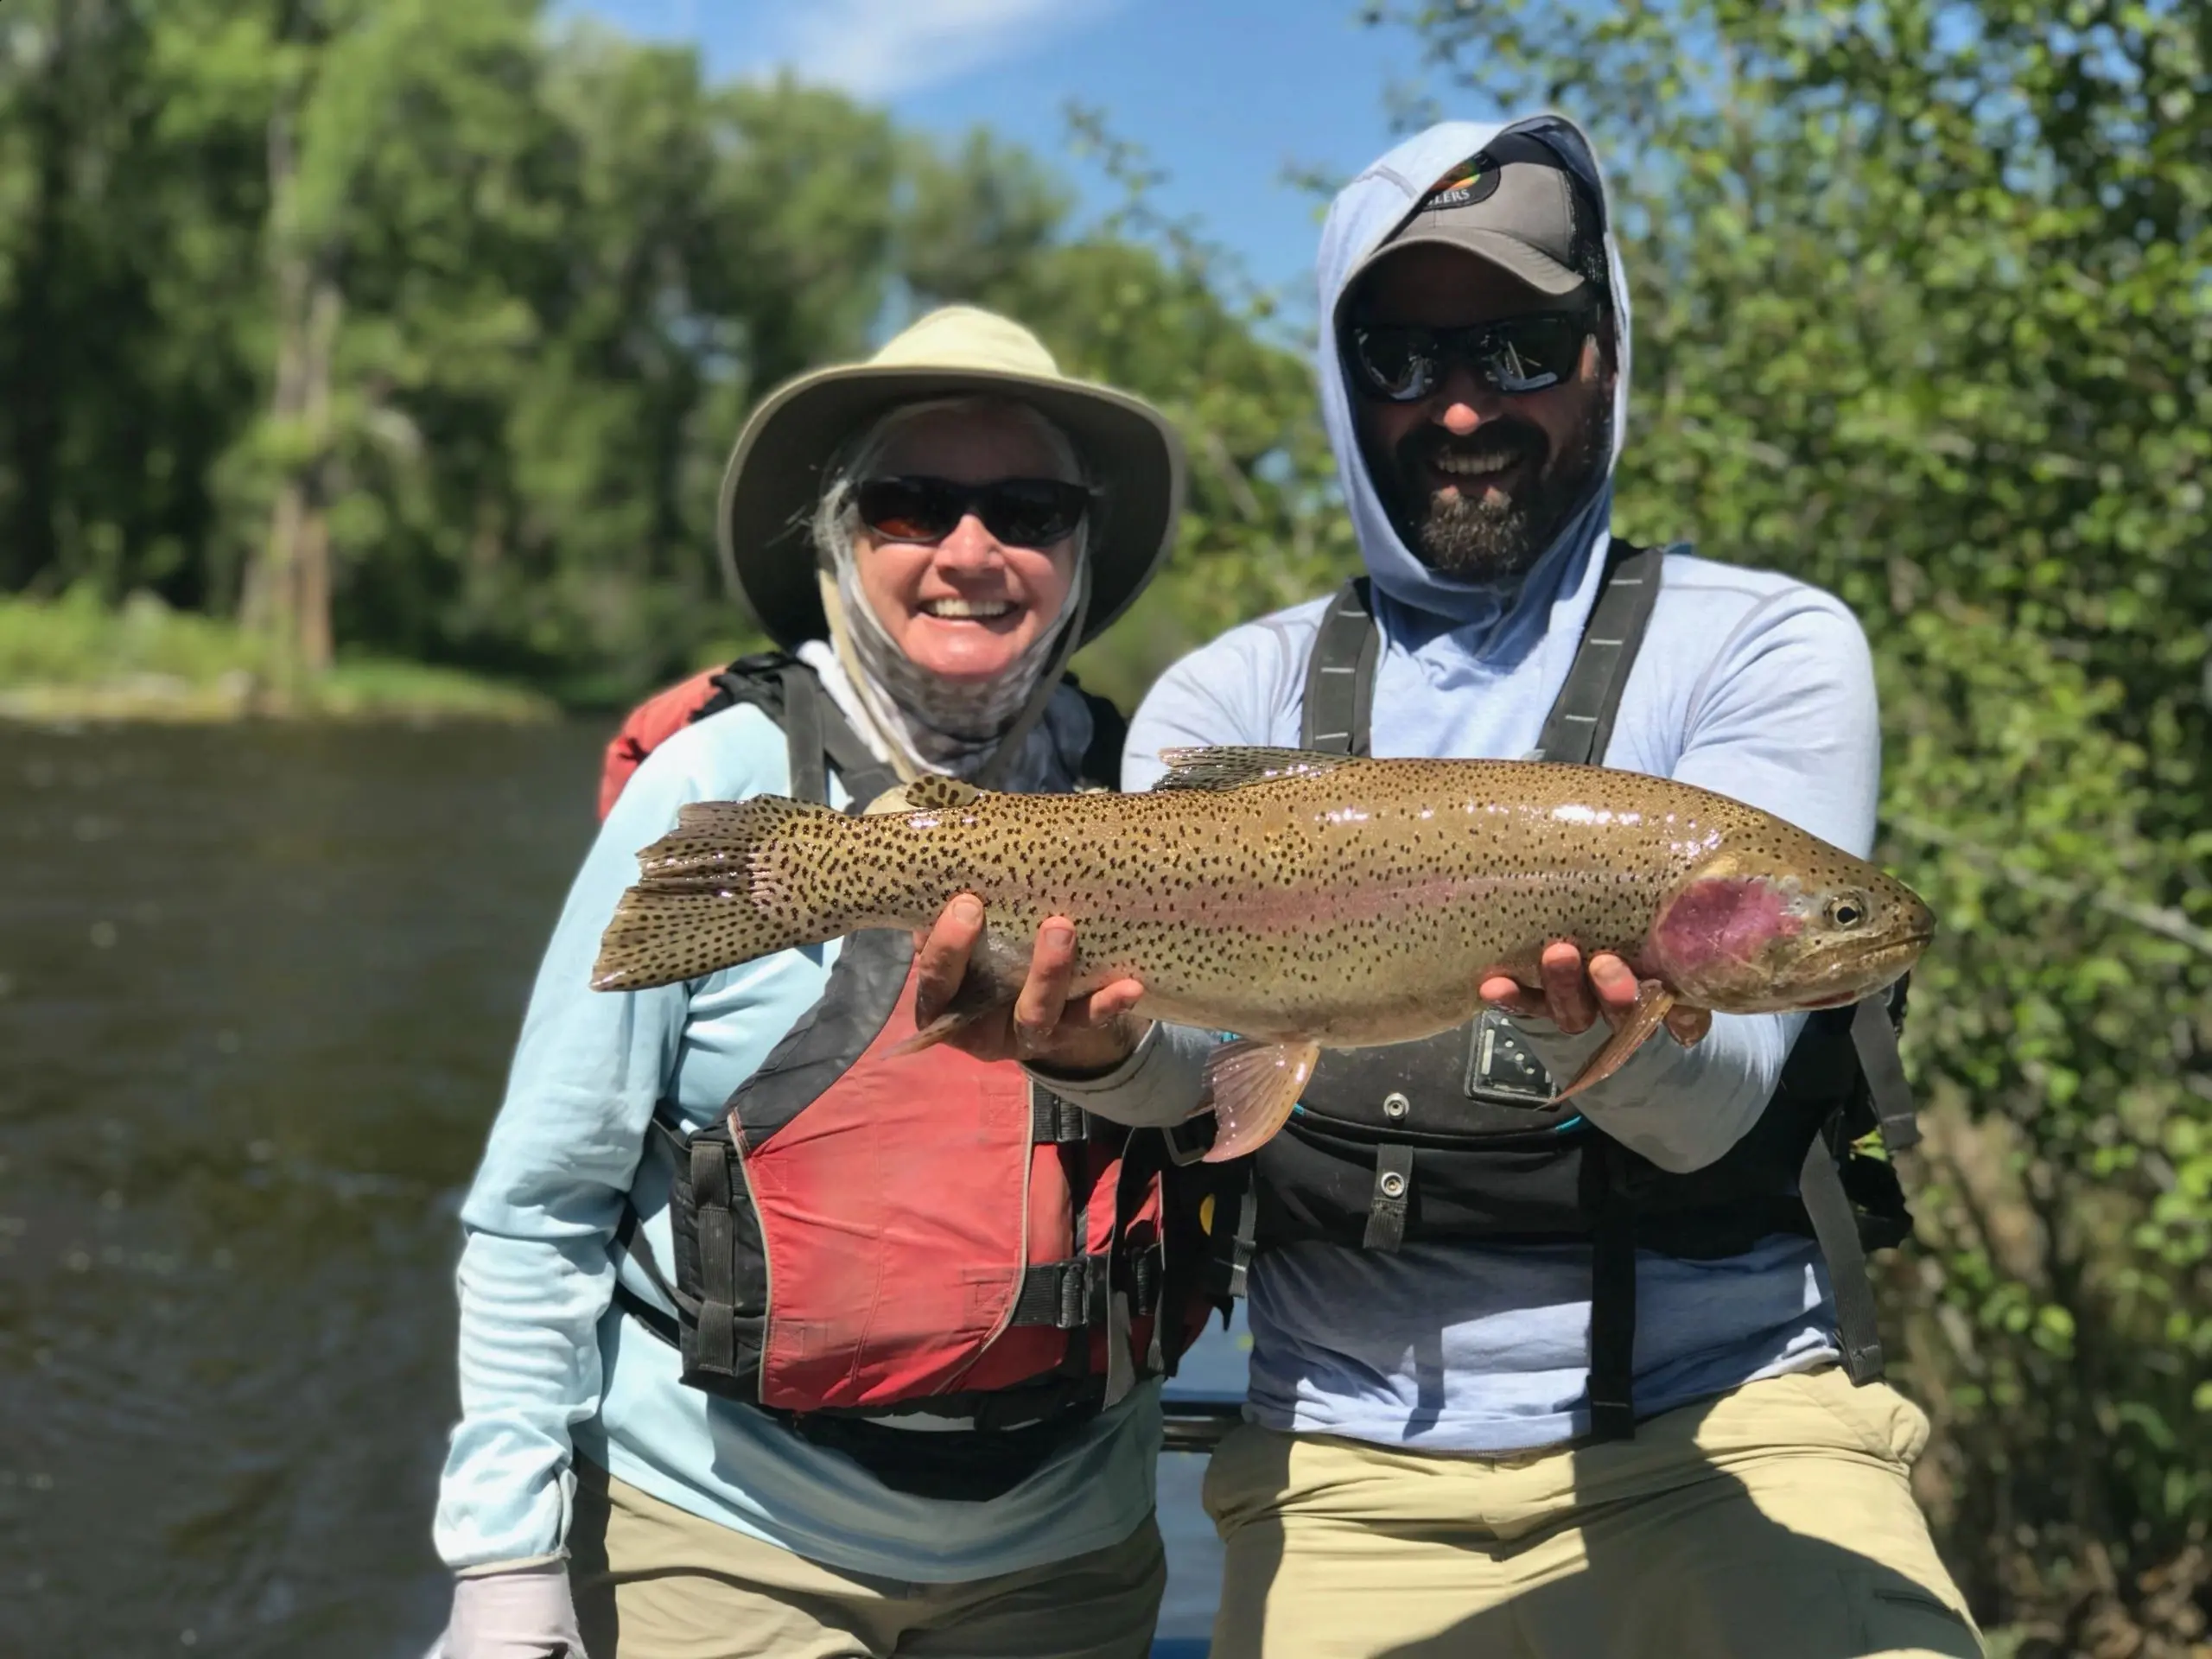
<point>1471,181</point>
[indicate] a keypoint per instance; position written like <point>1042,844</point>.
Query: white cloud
<point>882,48</point>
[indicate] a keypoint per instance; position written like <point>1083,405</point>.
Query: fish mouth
<point>1874,968</point>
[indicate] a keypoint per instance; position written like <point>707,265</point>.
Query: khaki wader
<point>652,1581</point>
<point>1773,1523</point>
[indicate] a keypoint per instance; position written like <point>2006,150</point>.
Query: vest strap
<point>1340,675</point>
<point>1054,1122</point>
<point>1835,1229</point>
<point>1394,1189</point>
<point>1235,1225</point>
<point>717,1341</point>
<point>1581,724</point>
<point>1613,1300</point>
<point>802,735</point>
<point>1070,1295</point>
<point>1875,1037</point>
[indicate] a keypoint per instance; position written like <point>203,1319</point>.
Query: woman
<point>931,1429</point>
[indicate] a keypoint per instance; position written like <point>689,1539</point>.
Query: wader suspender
<point>1339,719</point>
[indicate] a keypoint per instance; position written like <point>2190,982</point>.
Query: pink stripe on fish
<point>1294,908</point>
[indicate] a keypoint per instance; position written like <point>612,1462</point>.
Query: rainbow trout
<point>1304,901</point>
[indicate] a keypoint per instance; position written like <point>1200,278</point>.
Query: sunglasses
<point>1403,362</point>
<point>1019,511</point>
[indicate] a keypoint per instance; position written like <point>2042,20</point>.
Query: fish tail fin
<point>733,881</point>
<point>1254,1087</point>
<point>1649,1013</point>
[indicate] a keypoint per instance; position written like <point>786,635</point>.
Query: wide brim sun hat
<point>774,480</point>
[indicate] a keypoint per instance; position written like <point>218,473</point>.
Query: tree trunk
<point>287,594</point>
<point>312,558</point>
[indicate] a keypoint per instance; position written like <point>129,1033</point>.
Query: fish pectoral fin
<point>929,792</point>
<point>1233,768</point>
<point>1647,1014</point>
<point>1254,1086</point>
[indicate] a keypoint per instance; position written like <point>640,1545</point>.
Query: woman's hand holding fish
<point>1573,1000</point>
<point>1044,1024</point>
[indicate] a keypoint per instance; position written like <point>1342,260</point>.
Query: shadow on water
<point>257,988</point>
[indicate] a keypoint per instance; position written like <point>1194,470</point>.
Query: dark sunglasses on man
<point>1402,363</point>
<point>1019,511</point>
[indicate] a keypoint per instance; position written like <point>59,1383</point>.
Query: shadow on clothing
<point>1807,1550</point>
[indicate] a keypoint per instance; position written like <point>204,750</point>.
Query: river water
<point>258,989</point>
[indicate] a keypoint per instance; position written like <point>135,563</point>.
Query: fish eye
<point>1847,909</point>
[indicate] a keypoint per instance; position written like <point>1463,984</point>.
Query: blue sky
<point>1225,94</point>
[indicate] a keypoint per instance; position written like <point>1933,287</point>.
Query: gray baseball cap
<point>1512,203</point>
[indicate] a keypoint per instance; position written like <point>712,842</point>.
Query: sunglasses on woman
<point>1402,363</point>
<point>1019,511</point>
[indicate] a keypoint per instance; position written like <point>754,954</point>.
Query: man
<point>1428,1467</point>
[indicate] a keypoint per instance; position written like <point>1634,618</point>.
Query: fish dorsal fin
<point>1233,768</point>
<point>931,792</point>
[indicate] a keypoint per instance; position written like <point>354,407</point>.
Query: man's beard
<point>1476,535</point>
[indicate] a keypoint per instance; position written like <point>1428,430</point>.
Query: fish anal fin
<point>936,1031</point>
<point>1647,1014</point>
<point>1254,1086</point>
<point>996,969</point>
<point>1236,768</point>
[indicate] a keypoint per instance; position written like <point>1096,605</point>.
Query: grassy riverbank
<point>75,658</point>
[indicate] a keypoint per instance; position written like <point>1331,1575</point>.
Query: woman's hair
<point>836,513</point>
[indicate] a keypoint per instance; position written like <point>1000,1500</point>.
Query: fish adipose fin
<point>1254,1086</point>
<point>1233,768</point>
<point>1647,1014</point>
<point>928,793</point>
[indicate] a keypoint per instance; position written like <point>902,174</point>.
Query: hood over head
<point>1365,214</point>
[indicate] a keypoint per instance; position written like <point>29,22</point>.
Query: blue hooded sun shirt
<point>1749,683</point>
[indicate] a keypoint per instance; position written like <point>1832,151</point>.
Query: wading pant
<point>1773,1523</point>
<point>652,1581</point>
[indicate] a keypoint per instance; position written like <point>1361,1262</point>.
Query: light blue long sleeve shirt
<point>548,1366</point>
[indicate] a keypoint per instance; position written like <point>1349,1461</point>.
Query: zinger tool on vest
<point>1300,900</point>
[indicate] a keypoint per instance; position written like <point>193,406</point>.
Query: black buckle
<point>1189,1141</point>
<point>1054,1122</point>
<point>1502,1069</point>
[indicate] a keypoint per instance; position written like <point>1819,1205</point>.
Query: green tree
<point>423,328</point>
<point>1922,315</point>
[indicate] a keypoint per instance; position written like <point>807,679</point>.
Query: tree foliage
<point>422,329</point>
<point>1924,313</point>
